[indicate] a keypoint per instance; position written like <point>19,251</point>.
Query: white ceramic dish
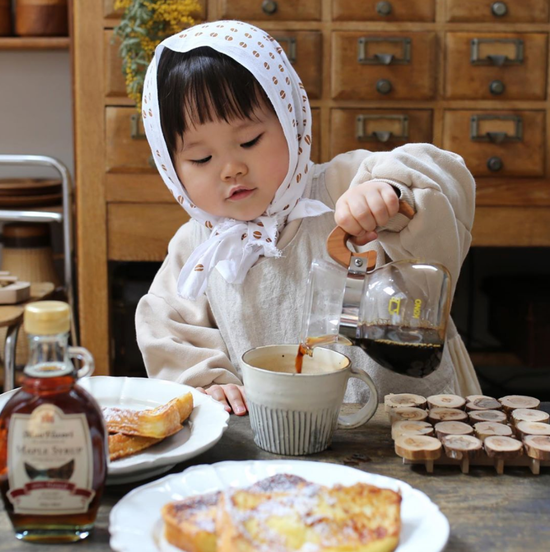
<point>135,522</point>
<point>205,427</point>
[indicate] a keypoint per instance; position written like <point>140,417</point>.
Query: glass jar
<point>53,448</point>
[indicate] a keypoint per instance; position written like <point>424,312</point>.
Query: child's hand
<point>363,208</point>
<point>230,395</point>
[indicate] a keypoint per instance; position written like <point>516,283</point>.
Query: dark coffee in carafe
<point>409,351</point>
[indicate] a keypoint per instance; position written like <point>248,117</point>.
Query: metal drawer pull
<point>496,137</point>
<point>382,58</point>
<point>269,7</point>
<point>383,136</point>
<point>290,41</point>
<point>497,59</point>
<point>497,87</point>
<point>383,8</point>
<point>494,164</point>
<point>384,86</point>
<point>135,131</point>
<point>499,9</point>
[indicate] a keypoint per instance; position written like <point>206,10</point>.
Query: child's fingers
<point>379,215</point>
<point>349,213</point>
<point>364,238</point>
<point>235,398</point>
<point>217,393</point>
<point>391,200</point>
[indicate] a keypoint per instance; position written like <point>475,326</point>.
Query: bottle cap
<point>47,318</point>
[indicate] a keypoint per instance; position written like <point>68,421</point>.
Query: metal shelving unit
<point>64,217</point>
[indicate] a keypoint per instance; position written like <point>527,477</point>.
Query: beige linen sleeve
<point>436,183</point>
<point>177,337</point>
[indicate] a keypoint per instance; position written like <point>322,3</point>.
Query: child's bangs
<point>226,96</point>
<point>204,86</point>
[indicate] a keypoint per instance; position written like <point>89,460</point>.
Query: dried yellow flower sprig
<point>144,24</point>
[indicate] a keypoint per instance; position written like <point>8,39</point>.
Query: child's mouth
<point>241,194</point>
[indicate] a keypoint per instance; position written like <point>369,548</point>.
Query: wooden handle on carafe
<point>337,242</point>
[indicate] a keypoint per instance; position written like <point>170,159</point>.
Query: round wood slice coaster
<point>457,446</point>
<point>499,446</point>
<point>537,446</point>
<point>511,402</point>
<point>452,428</point>
<point>446,401</point>
<point>529,415</point>
<point>487,416</point>
<point>410,413</point>
<point>439,414</point>
<point>406,427</point>
<point>418,447</point>
<point>398,400</point>
<point>484,430</point>
<point>481,402</point>
<point>532,428</point>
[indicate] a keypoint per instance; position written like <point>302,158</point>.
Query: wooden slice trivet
<point>537,448</point>
<point>406,427</point>
<point>511,402</point>
<point>481,402</point>
<point>462,447</point>
<point>502,448</point>
<point>410,413</point>
<point>452,428</point>
<point>446,401</point>
<point>532,428</point>
<point>488,429</point>
<point>403,399</point>
<point>419,447</point>
<point>529,415</point>
<point>438,414</point>
<point>488,416</point>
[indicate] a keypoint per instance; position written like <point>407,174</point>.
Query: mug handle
<point>349,421</point>
<point>85,357</point>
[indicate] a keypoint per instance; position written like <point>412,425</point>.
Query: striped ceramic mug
<point>296,414</point>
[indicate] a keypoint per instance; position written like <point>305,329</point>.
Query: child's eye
<point>252,142</point>
<point>201,161</point>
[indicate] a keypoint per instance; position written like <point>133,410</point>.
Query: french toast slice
<point>359,518</point>
<point>159,422</point>
<point>121,446</point>
<point>190,523</point>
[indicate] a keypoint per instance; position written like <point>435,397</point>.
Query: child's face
<point>234,169</point>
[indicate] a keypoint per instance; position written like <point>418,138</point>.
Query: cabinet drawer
<point>316,135</point>
<point>510,11</point>
<point>376,10</point>
<point>377,129</point>
<point>127,149</point>
<point>305,52</point>
<point>271,10</point>
<point>378,66</point>
<point>109,9</point>
<point>508,66</point>
<point>141,232</point>
<point>497,143</point>
<point>115,85</point>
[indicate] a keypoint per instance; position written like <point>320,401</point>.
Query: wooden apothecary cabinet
<point>467,75</point>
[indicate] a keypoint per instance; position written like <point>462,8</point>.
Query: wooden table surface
<point>486,512</point>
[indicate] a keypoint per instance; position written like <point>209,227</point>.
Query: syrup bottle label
<point>50,463</point>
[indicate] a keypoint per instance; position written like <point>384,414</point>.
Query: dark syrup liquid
<point>409,351</point>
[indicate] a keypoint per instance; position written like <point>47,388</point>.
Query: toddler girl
<point>229,125</point>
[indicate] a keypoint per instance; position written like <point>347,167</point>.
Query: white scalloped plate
<point>204,429</point>
<point>135,522</point>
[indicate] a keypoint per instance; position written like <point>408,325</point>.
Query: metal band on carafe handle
<point>357,265</point>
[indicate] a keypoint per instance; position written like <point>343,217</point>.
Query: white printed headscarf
<point>234,246</point>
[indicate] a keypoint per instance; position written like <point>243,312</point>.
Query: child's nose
<point>233,169</point>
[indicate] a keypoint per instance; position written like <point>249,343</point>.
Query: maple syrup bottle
<point>53,449</point>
